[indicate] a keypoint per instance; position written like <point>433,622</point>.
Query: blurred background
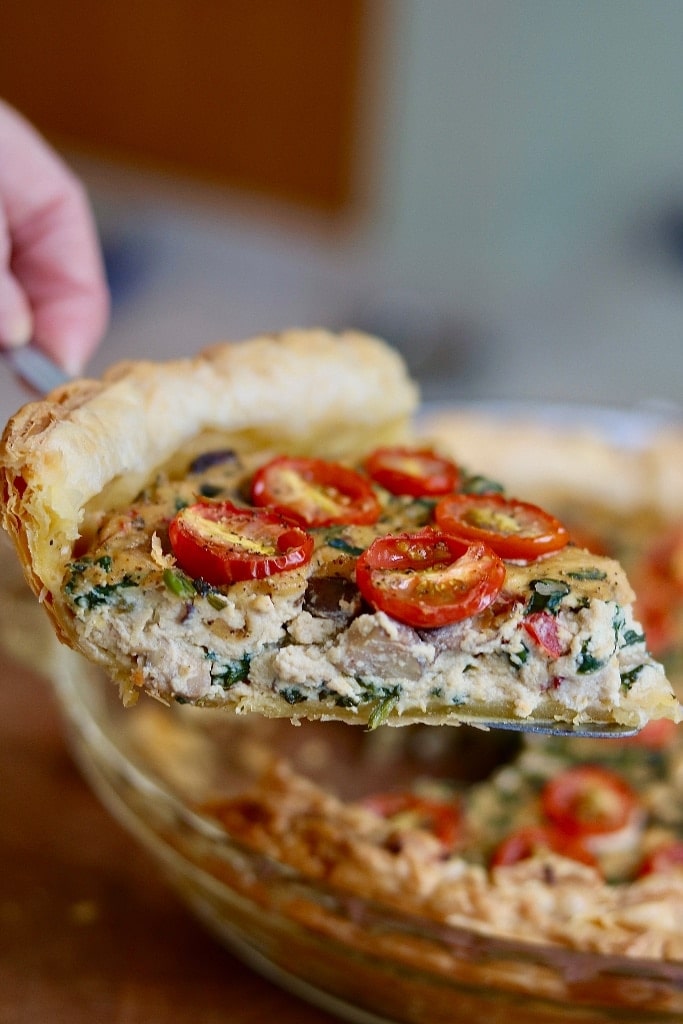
<point>495,186</point>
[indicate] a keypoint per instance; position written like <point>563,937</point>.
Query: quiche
<point>257,528</point>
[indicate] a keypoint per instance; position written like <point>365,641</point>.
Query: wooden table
<point>88,935</point>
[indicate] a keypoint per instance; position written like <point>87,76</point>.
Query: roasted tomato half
<point>418,472</point>
<point>533,840</point>
<point>443,819</point>
<point>589,800</point>
<point>667,856</point>
<point>513,529</point>
<point>428,579</point>
<point>224,544</point>
<point>315,492</point>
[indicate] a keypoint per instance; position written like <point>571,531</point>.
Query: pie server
<point>40,375</point>
<point>34,369</point>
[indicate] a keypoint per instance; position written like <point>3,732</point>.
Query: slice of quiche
<point>256,529</point>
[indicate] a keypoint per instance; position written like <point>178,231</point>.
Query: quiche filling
<point>573,842</point>
<point>356,618</point>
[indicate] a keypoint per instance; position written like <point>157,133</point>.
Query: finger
<point>55,256</point>
<point>16,321</point>
<point>58,262</point>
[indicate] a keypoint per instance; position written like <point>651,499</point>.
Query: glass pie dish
<point>351,955</point>
<point>167,773</point>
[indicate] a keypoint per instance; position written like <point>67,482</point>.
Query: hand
<point>52,284</point>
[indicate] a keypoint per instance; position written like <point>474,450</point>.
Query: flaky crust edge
<point>304,390</point>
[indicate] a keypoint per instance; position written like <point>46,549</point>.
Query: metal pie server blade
<point>34,369</point>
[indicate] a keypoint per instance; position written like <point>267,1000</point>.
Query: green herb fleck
<point>213,596</point>
<point>587,574</point>
<point>519,657</point>
<point>343,545</point>
<point>179,584</point>
<point>477,484</point>
<point>381,711</point>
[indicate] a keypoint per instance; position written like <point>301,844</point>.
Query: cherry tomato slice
<point>314,492</point>
<point>665,857</point>
<point>224,544</point>
<point>589,800</point>
<point>442,818</point>
<point>418,472</point>
<point>428,579</point>
<point>534,839</point>
<point>513,529</point>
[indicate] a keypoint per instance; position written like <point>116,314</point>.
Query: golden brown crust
<point>572,456</point>
<point>58,454</point>
<point>90,447</point>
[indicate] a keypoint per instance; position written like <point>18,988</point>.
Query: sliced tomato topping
<point>222,543</point>
<point>513,529</point>
<point>419,472</point>
<point>589,800</point>
<point>542,628</point>
<point>315,492</point>
<point>408,810</point>
<point>531,840</point>
<point>665,857</point>
<point>428,579</point>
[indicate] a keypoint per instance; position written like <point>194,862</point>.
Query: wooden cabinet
<point>257,94</point>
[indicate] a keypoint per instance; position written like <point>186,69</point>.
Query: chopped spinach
<point>587,662</point>
<point>346,702</point>
<point>292,694</point>
<point>629,678</point>
<point>230,672</point>
<point>375,691</point>
<point>546,595</point>
<point>631,637</point>
<point>101,593</point>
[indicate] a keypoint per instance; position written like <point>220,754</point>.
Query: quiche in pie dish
<point>256,529</point>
